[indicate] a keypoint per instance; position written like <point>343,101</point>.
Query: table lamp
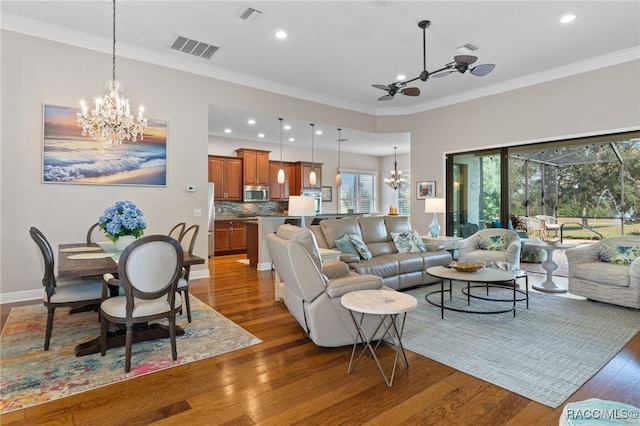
<point>301,205</point>
<point>434,205</point>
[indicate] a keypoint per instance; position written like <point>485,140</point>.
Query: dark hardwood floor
<point>288,380</point>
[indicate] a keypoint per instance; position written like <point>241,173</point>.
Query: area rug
<point>545,353</point>
<point>30,375</point>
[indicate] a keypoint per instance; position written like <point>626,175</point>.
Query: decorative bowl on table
<point>467,266</point>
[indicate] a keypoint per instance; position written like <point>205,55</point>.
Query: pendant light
<point>281,171</point>
<point>338,176</point>
<point>396,180</point>
<point>312,175</point>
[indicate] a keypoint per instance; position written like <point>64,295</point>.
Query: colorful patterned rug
<point>30,375</point>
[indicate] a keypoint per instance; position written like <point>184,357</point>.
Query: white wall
<point>53,73</point>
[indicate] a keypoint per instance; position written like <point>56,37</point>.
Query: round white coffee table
<point>549,265</point>
<point>487,277</point>
<point>388,305</point>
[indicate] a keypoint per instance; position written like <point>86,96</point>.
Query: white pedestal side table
<point>549,265</point>
<point>388,305</point>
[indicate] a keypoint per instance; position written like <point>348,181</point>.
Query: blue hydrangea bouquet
<point>123,218</point>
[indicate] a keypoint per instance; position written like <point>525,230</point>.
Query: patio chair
<point>550,223</point>
<point>535,228</point>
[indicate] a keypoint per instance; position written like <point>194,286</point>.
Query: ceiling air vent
<point>467,48</point>
<point>250,14</point>
<point>194,47</point>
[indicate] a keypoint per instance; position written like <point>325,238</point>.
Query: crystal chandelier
<point>396,180</point>
<point>110,119</point>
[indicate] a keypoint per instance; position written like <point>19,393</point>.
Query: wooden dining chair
<point>149,270</point>
<point>187,241</point>
<point>176,231</point>
<point>70,292</point>
<point>95,234</point>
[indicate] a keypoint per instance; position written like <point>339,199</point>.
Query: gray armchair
<point>480,247</point>
<point>605,281</point>
<point>312,289</point>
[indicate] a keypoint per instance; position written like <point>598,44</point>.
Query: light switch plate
<point>197,212</point>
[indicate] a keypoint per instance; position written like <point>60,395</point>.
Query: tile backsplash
<point>238,209</point>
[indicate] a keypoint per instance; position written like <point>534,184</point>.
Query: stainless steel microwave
<point>255,193</point>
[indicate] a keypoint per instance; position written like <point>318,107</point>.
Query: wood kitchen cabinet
<point>302,171</point>
<point>226,173</point>
<point>281,191</point>
<point>230,237</point>
<point>255,168</point>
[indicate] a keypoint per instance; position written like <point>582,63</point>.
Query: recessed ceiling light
<point>227,130</point>
<point>287,127</point>
<point>281,35</point>
<point>318,132</point>
<point>292,139</point>
<point>261,135</point>
<point>567,18</point>
<point>251,121</point>
<point>401,77</point>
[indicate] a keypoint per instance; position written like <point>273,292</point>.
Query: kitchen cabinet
<point>302,171</point>
<point>281,191</point>
<point>226,173</point>
<point>255,167</point>
<point>230,237</point>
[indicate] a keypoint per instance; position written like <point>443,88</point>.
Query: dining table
<point>78,260</point>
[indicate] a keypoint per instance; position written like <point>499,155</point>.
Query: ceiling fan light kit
<point>461,64</point>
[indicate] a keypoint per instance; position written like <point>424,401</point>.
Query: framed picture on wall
<point>69,157</point>
<point>425,189</point>
<point>326,193</point>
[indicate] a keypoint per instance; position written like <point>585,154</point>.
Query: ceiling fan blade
<point>442,73</point>
<point>465,59</point>
<point>381,86</point>
<point>385,98</point>
<point>482,70</point>
<point>411,91</point>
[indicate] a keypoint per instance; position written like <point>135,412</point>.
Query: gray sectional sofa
<point>397,270</point>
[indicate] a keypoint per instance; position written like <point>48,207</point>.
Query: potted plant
<point>122,223</point>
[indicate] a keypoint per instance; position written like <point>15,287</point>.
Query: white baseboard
<point>265,266</point>
<point>23,296</point>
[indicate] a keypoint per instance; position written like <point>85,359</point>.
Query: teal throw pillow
<point>408,242</point>
<point>362,248</point>
<point>620,255</point>
<point>493,242</point>
<point>345,245</point>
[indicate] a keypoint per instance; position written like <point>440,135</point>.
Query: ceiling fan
<point>461,64</point>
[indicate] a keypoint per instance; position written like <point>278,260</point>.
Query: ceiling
<point>337,49</point>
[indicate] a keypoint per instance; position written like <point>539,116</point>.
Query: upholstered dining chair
<point>149,270</point>
<point>70,292</point>
<point>187,241</point>
<point>176,231</point>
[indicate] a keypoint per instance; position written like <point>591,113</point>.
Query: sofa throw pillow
<point>493,242</point>
<point>362,248</point>
<point>345,245</point>
<point>408,242</point>
<point>620,255</point>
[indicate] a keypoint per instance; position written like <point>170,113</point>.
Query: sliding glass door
<point>474,199</point>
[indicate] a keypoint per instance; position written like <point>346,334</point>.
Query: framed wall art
<point>425,189</point>
<point>327,193</point>
<point>69,157</point>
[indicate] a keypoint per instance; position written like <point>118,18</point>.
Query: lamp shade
<point>434,205</point>
<point>300,205</point>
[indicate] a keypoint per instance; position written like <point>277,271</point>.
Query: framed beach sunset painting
<point>69,157</point>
